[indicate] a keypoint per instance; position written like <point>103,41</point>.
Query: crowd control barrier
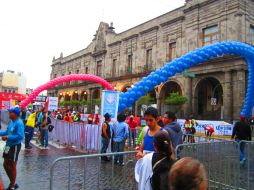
<point>221,160</point>
<point>78,135</point>
<point>247,167</point>
<point>90,172</point>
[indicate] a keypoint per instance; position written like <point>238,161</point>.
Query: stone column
<point>188,92</point>
<point>240,92</point>
<point>228,97</point>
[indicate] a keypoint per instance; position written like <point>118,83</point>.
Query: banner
<point>109,103</point>
<point>221,128</point>
<point>52,104</point>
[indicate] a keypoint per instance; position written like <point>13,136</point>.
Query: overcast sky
<point>33,31</point>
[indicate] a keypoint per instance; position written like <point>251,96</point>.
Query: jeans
<point>105,143</point>
<point>119,147</point>
<point>132,136</point>
<point>44,138</point>
<point>29,132</point>
<point>242,152</point>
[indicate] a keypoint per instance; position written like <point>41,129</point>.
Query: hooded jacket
<point>175,133</point>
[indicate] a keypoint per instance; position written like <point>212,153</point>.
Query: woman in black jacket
<point>161,160</point>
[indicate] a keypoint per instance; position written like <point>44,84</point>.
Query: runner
<point>106,136</point>
<point>13,137</point>
<point>132,134</point>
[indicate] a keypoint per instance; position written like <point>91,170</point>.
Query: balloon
<point>200,55</point>
<point>56,81</point>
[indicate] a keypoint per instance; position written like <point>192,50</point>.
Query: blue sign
<point>109,103</point>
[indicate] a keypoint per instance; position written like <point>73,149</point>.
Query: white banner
<point>221,128</point>
<point>52,103</point>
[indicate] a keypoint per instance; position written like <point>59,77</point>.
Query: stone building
<point>124,58</point>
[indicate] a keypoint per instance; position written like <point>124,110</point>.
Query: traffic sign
<point>213,101</point>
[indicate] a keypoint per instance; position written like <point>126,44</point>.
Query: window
<point>86,71</point>
<point>172,51</point>
<point>114,68</point>
<point>55,75</point>
<point>252,34</point>
<point>129,63</point>
<point>99,68</point>
<point>149,60</point>
<point>211,35</point>
<point>77,72</point>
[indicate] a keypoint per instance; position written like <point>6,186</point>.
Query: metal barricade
<point>247,165</point>
<point>202,139</point>
<point>221,160</point>
<point>90,172</point>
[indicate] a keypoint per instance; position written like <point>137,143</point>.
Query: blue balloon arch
<point>188,60</point>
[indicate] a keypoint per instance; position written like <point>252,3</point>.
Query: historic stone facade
<point>125,58</point>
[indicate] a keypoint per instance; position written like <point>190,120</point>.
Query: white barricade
<point>79,135</point>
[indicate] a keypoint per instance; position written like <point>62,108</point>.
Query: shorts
<point>13,153</point>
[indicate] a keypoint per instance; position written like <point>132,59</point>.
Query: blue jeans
<point>29,132</point>
<point>242,152</point>
<point>44,138</point>
<point>132,136</point>
<point>105,143</point>
<point>119,147</point>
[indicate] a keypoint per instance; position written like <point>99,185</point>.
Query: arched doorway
<point>125,88</point>
<point>67,97</point>
<point>206,89</point>
<point>75,96</point>
<point>84,96</point>
<point>167,88</point>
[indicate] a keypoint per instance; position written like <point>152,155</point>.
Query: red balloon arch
<point>67,78</point>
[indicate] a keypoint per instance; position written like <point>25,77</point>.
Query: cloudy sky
<point>33,31</point>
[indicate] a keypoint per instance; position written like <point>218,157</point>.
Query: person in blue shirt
<point>120,134</point>
<point>13,136</point>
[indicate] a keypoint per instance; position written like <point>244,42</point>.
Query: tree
<point>145,100</point>
<point>175,99</point>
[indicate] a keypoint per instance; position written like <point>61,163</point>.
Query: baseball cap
<point>131,116</point>
<point>15,110</point>
<point>107,115</point>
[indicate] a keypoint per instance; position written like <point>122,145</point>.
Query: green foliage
<point>145,100</point>
<point>175,99</point>
<point>97,102</point>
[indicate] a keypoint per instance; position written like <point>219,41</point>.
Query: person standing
<point>106,136</point>
<point>120,134</point>
<point>242,132</point>
<point>151,117</point>
<point>187,127</point>
<point>132,134</point>
<point>44,130</point>
<point>13,136</point>
<point>173,128</point>
<point>28,112</point>
<point>29,130</point>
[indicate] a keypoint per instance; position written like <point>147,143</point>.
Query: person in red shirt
<point>132,131</point>
<point>97,120</point>
<point>90,119</point>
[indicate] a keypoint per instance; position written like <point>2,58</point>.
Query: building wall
<point>185,27</point>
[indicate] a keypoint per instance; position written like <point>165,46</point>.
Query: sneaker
<point>16,186</point>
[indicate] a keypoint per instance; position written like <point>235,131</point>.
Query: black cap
<point>107,115</point>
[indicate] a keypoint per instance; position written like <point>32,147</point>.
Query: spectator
<point>66,118</point>
<point>188,174</point>
<point>59,116</point>
<point>132,134</point>
<point>75,117</point>
<point>173,128</point>
<point>44,130</point>
<point>90,119</point>
<point>242,131</point>
<point>28,112</point>
<point>106,136</point>
<point>13,137</point>
<point>154,167</point>
<point>29,129</point>
<point>120,134</point>
<point>70,119</point>
<point>151,116</point>
<point>194,124</point>
<point>97,119</point>
<point>187,127</point>
<point>160,121</point>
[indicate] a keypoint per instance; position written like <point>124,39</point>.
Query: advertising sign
<point>52,103</point>
<point>109,103</point>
